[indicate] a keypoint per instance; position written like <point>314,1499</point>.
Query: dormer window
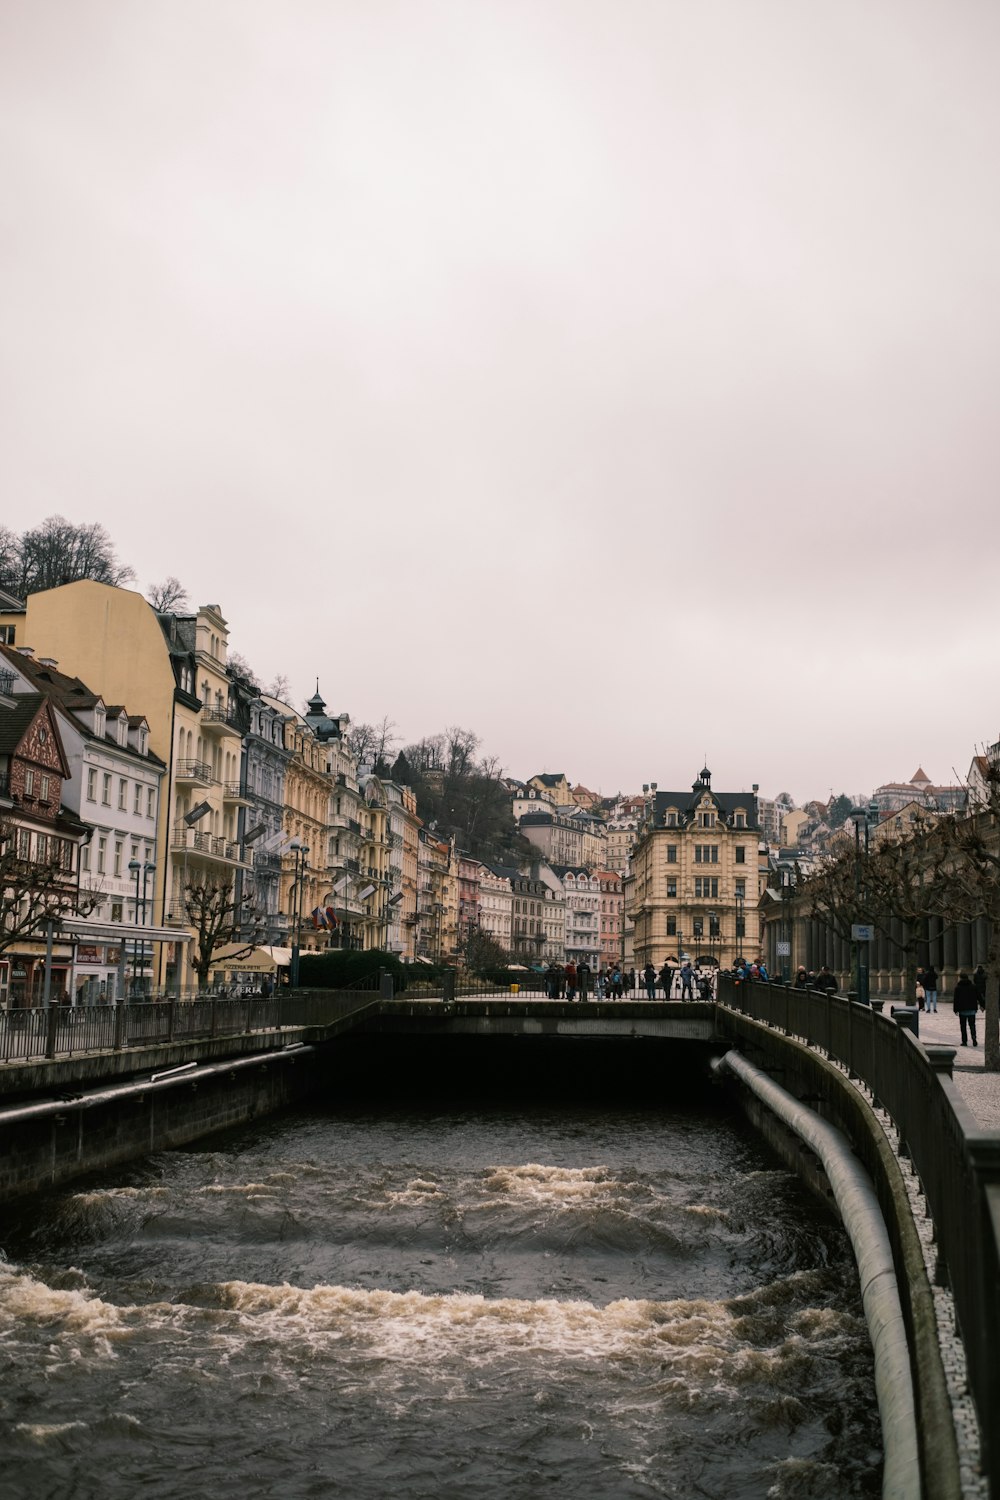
<point>123,730</point>
<point>143,741</point>
<point>740,820</point>
<point>99,720</point>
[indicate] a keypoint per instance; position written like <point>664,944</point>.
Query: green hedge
<point>349,969</point>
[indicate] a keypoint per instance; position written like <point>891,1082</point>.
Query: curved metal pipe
<point>862,1216</point>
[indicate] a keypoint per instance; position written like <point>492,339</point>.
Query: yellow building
<point>695,880</point>
<point>172,669</point>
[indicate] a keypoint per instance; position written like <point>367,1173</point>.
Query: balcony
<point>233,792</point>
<point>220,721</point>
<point>212,846</point>
<point>194,773</point>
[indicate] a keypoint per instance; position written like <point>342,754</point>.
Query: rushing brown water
<point>465,1305</point>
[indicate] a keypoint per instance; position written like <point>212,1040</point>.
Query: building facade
<point>695,876</point>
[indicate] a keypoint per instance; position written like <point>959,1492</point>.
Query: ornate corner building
<point>694,884</point>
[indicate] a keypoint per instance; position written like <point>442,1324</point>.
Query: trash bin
<point>906,1016</point>
<point>515,989</point>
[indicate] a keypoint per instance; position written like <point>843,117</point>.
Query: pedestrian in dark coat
<point>649,980</point>
<point>666,980</point>
<point>930,989</point>
<point>979,980</point>
<point>825,980</point>
<point>965,1005</point>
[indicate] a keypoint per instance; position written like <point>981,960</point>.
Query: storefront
<point>257,968</point>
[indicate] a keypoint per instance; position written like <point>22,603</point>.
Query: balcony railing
<point>224,718</point>
<point>6,681</point>
<point>195,770</point>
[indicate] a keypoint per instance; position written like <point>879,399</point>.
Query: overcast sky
<point>617,380</point>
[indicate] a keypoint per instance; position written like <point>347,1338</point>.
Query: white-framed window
<point>29,783</point>
<point>122,794</point>
<point>137,800</point>
<point>106,789</point>
<point>150,802</point>
<point>91,784</point>
<point>102,853</point>
<point>85,856</point>
<point>43,788</point>
<point>118,856</point>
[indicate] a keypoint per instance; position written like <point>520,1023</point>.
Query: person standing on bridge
<point>571,980</point>
<point>666,979</point>
<point>930,989</point>
<point>583,977</point>
<point>965,1004</point>
<point>825,980</point>
<point>649,980</point>
<point>687,981</point>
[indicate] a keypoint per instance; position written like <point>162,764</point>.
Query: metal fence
<point>958,1164</point>
<point>58,1031</point>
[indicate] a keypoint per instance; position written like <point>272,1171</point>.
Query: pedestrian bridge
<point>81,1094</point>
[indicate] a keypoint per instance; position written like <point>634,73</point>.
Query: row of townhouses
<point>201,823</point>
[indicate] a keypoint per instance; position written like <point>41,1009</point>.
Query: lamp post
<point>786,928</point>
<point>145,869</point>
<point>861,818</point>
<point>300,852</point>
<point>739,926</point>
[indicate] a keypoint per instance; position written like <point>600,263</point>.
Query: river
<point>457,1303</point>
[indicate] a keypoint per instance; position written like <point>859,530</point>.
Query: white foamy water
<point>479,1310</point>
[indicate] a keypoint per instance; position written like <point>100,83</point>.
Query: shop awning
<point>118,932</point>
<point>258,961</point>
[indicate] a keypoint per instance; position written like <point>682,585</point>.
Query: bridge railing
<point>59,1031</point>
<point>957,1163</point>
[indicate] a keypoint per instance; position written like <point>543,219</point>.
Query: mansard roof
<point>686,803</point>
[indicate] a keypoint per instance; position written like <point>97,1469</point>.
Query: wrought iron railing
<point>958,1164</point>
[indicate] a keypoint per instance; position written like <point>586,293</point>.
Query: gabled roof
<point>72,697</point>
<point>15,722</point>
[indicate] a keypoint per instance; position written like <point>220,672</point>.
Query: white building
<point>114,788</point>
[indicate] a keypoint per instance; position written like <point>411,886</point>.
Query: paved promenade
<point>980,1090</point>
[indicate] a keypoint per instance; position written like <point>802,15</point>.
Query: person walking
<point>825,980</point>
<point>965,1004</point>
<point>649,980</point>
<point>801,978</point>
<point>930,989</point>
<point>979,980</point>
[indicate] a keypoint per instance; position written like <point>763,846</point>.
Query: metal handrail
<point>958,1164</point>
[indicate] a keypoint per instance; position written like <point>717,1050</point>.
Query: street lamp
<point>145,869</point>
<point>299,853</point>
<point>740,922</point>
<point>861,818</point>
<point>786,928</point>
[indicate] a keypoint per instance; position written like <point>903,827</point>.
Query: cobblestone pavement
<point>979,1089</point>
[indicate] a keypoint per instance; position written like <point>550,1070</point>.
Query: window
<point>706,820</point>
<point>706,854</point>
<point>143,741</point>
<point>106,789</point>
<point>122,794</point>
<point>672,887</point>
<point>671,854</point>
<point>135,850</point>
<point>150,802</point>
<point>741,820</point>
<point>671,820</point>
<point>137,800</point>
<point>706,887</point>
<point>741,854</point>
<point>91,785</point>
<point>85,857</point>
<point>671,927</point>
<point>741,927</point>
<point>43,789</point>
<point>41,847</point>
<point>741,890</point>
<point>123,731</point>
<point>23,843</point>
<point>29,783</point>
<point>102,850</point>
<point>699,927</point>
<point>116,911</point>
<point>118,856</point>
<point>713,925</point>
<point>99,721</point>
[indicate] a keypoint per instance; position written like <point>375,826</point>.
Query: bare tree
<point>279,688</point>
<point>32,892</point>
<point>241,668</point>
<point>168,597</point>
<point>974,864</point>
<point>371,744</point>
<point>57,552</point>
<point>217,916</point>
